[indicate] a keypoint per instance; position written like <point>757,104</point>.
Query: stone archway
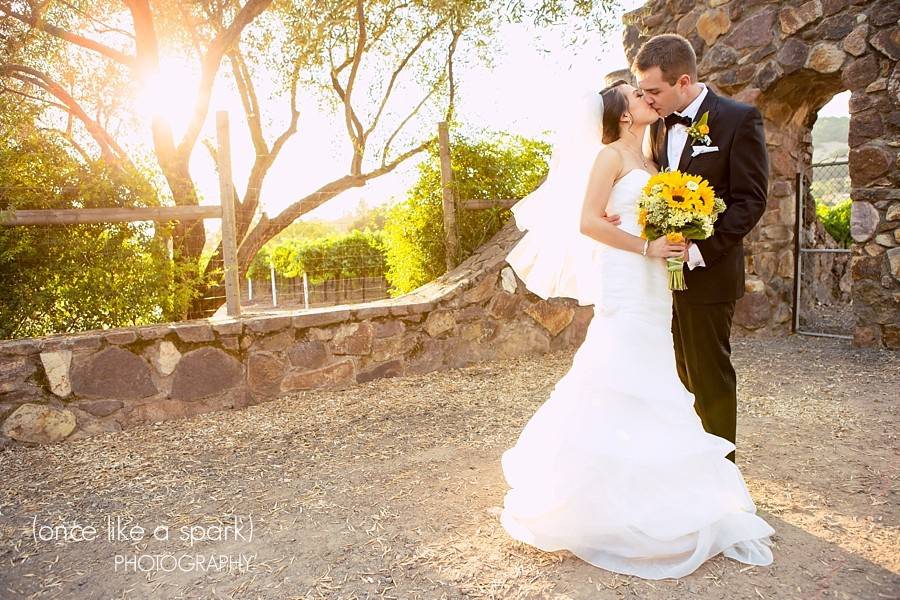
<point>789,61</point>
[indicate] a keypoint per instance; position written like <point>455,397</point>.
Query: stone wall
<point>67,387</point>
<point>789,59</point>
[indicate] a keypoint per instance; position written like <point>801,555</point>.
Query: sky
<point>532,76</point>
<point>839,106</point>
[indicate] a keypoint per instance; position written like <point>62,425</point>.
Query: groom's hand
<point>687,247</point>
<point>614,219</point>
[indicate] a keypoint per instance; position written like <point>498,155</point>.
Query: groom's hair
<point>672,53</point>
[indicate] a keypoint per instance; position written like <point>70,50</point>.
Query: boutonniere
<point>699,130</point>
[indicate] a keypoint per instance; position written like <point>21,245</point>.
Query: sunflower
<point>680,197</point>
<point>707,198</point>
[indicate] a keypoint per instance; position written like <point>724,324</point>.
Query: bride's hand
<point>661,247</point>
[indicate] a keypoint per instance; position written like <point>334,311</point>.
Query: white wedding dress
<point>615,465</point>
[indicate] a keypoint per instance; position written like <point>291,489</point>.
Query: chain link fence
<point>823,255</point>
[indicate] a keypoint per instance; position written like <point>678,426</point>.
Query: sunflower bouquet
<point>681,207</point>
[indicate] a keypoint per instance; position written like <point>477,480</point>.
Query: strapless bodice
<point>624,196</point>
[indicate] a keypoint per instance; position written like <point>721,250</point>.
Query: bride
<point>615,466</point>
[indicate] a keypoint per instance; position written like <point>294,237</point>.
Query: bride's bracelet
<point>646,245</point>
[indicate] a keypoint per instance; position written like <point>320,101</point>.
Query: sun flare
<point>169,93</point>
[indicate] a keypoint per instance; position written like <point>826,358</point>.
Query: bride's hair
<point>615,104</point>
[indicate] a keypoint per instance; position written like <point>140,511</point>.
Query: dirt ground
<point>386,490</point>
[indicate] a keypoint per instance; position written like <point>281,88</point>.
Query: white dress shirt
<point>677,138</point>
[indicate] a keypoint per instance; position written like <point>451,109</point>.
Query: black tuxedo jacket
<point>739,173</point>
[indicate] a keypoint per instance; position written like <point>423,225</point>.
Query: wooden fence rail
<point>73,216</point>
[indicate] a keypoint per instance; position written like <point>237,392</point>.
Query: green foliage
<point>295,234</point>
<point>355,254</point>
<point>56,279</point>
<point>580,20</point>
<point>836,220</point>
<point>500,166</point>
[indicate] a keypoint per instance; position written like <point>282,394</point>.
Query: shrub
<point>501,166</point>
<point>836,220</point>
<point>59,279</point>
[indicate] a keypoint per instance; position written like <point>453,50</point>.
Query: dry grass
<point>386,490</point>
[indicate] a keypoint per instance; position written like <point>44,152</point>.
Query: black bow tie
<point>674,119</point>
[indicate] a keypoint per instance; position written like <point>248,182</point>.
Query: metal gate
<point>822,301</point>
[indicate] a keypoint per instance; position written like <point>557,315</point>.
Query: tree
<point>497,166</point>
<point>320,42</point>
<point>349,50</point>
<point>385,65</point>
<point>54,52</point>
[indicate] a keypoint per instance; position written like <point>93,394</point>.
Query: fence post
<point>451,239</point>
<point>305,291</point>
<point>272,277</point>
<point>798,253</point>
<point>229,233</point>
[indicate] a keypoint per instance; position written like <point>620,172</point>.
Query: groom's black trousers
<point>701,334</point>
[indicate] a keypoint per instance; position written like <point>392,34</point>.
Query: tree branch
<point>266,228</point>
<point>261,167</point>
<point>221,44</point>
<point>376,35</point>
<point>99,26</point>
<point>147,59</point>
<point>390,140</point>
<point>36,22</point>
<point>349,113</point>
<point>214,155</point>
<point>248,100</point>
<point>187,19</point>
<point>61,107</point>
<point>387,168</point>
<point>109,149</point>
<point>396,74</point>
<point>354,127</point>
<point>451,52</point>
<point>68,137</point>
<point>265,157</point>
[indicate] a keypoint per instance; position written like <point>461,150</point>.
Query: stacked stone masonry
<point>68,387</point>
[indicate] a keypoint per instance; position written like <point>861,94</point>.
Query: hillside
<point>830,138</point>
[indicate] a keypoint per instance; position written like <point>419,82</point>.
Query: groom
<point>735,162</point>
